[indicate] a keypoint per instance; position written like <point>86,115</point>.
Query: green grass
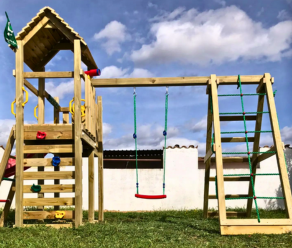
<point>150,229</point>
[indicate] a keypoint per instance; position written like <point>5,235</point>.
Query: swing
<point>137,195</point>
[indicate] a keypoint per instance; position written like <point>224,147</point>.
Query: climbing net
<point>248,152</point>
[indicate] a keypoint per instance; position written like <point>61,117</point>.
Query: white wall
<point>184,185</point>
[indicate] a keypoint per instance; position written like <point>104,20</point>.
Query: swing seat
<point>150,196</point>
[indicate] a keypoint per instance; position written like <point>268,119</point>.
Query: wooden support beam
<point>218,149</point>
<point>61,188</point>
<point>100,160</point>
<point>229,214</point>
<point>51,135</point>
<point>19,138</point>
<point>31,88</point>
<point>252,229</point>
<point>48,215</point>
<point>87,103</point>
<point>232,160</point>
<point>208,155</point>
<point>48,202</point>
<point>264,222</point>
<point>77,133</point>
<point>237,118</point>
<point>64,46</point>
<point>91,188</point>
<point>35,29</point>
<point>88,140</point>
<point>64,109</point>
<point>278,145</point>
<point>172,81</point>
<point>56,168</point>
<point>213,197</point>
<point>264,156</point>
<point>48,175</point>
<point>237,139</point>
<point>49,74</point>
<point>48,149</point>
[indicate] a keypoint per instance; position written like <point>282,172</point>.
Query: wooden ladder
<point>243,226</point>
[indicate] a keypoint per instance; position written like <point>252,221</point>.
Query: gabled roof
<point>46,35</point>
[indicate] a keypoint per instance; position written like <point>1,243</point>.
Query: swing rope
<point>164,149</point>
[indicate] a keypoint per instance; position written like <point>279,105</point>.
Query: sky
<point>163,39</point>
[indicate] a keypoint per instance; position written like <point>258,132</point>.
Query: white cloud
<point>213,37</point>
<point>221,2</point>
<point>197,126</point>
<point>284,15</point>
<point>286,134</point>
<point>5,128</point>
<point>261,11</point>
<point>2,18</point>
<point>152,5</point>
<point>106,128</point>
<point>136,12</point>
<point>115,72</point>
<point>114,34</point>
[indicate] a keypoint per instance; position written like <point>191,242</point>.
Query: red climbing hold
<point>248,153</point>
<point>246,132</point>
<point>254,197</point>
<point>251,174</point>
<point>41,135</point>
<point>241,94</point>
<point>243,113</point>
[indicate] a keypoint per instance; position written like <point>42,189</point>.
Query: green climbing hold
<point>36,188</point>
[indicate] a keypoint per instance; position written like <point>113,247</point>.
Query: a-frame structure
<point>68,141</point>
<point>214,141</point>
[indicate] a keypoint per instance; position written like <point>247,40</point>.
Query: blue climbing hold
<point>164,133</point>
<point>56,161</point>
<point>134,136</point>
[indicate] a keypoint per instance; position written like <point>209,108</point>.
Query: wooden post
<point>56,168</point>
<point>7,205</point>
<point>91,187</point>
<point>256,144</point>
<point>93,112</point>
<point>218,149</point>
<point>100,161</point>
<point>19,135</point>
<point>65,117</point>
<point>87,103</point>
<point>41,120</point>
<point>77,134</point>
<point>208,163</point>
<point>278,145</point>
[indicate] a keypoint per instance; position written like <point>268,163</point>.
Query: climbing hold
<point>254,197</point>
<point>41,135</point>
<point>134,136</point>
<point>248,153</point>
<point>36,188</point>
<point>246,131</point>
<point>164,133</point>
<point>56,161</point>
<point>243,113</point>
<point>241,94</point>
<point>92,73</point>
<point>59,214</point>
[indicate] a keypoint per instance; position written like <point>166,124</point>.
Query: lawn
<point>149,229</point>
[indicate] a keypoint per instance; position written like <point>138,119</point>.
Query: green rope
<point>259,174</point>
<point>135,137</point>
<point>165,134</point>
<point>257,94</point>
<point>247,132</point>
<point>249,152</point>
<point>8,179</point>
<point>247,147</point>
<point>241,113</point>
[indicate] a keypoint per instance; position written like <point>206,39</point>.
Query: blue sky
<point>163,39</point>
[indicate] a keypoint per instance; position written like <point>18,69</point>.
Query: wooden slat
<point>49,175</point>
<point>49,215</point>
<point>31,87</point>
<point>265,156</point>
<point>100,160</point>
<point>91,189</point>
<point>48,149</point>
<point>244,230</point>
<point>208,155</point>
<point>36,28</point>
<point>61,188</point>
<point>278,145</point>
<point>47,127</point>
<point>51,135</point>
<point>35,162</point>
<point>218,149</point>
<point>264,222</point>
<point>48,201</point>
<point>236,139</point>
<point>238,118</point>
<point>232,160</point>
<point>64,46</point>
<point>77,133</point>
<point>172,81</point>
<point>88,140</point>
<point>229,214</point>
<point>213,197</point>
<point>49,74</point>
<point>19,137</point>
<point>228,179</point>
<point>64,109</point>
<point>57,226</point>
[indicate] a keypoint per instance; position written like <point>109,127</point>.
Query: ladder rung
<point>228,213</point>
<point>41,215</point>
<point>48,201</point>
<point>237,139</point>
<point>227,196</point>
<point>232,159</point>
<point>212,179</point>
<point>36,162</point>
<point>48,149</point>
<point>238,118</point>
<point>49,175</point>
<point>58,188</point>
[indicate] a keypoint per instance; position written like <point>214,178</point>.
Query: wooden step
<point>228,179</point>
<point>48,127</point>
<point>48,149</point>
<point>59,188</point>
<point>50,135</point>
<point>212,197</point>
<point>42,215</point>
<point>238,118</point>
<point>228,213</point>
<point>48,202</point>
<point>236,139</point>
<point>264,156</point>
<point>40,162</point>
<point>49,175</point>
